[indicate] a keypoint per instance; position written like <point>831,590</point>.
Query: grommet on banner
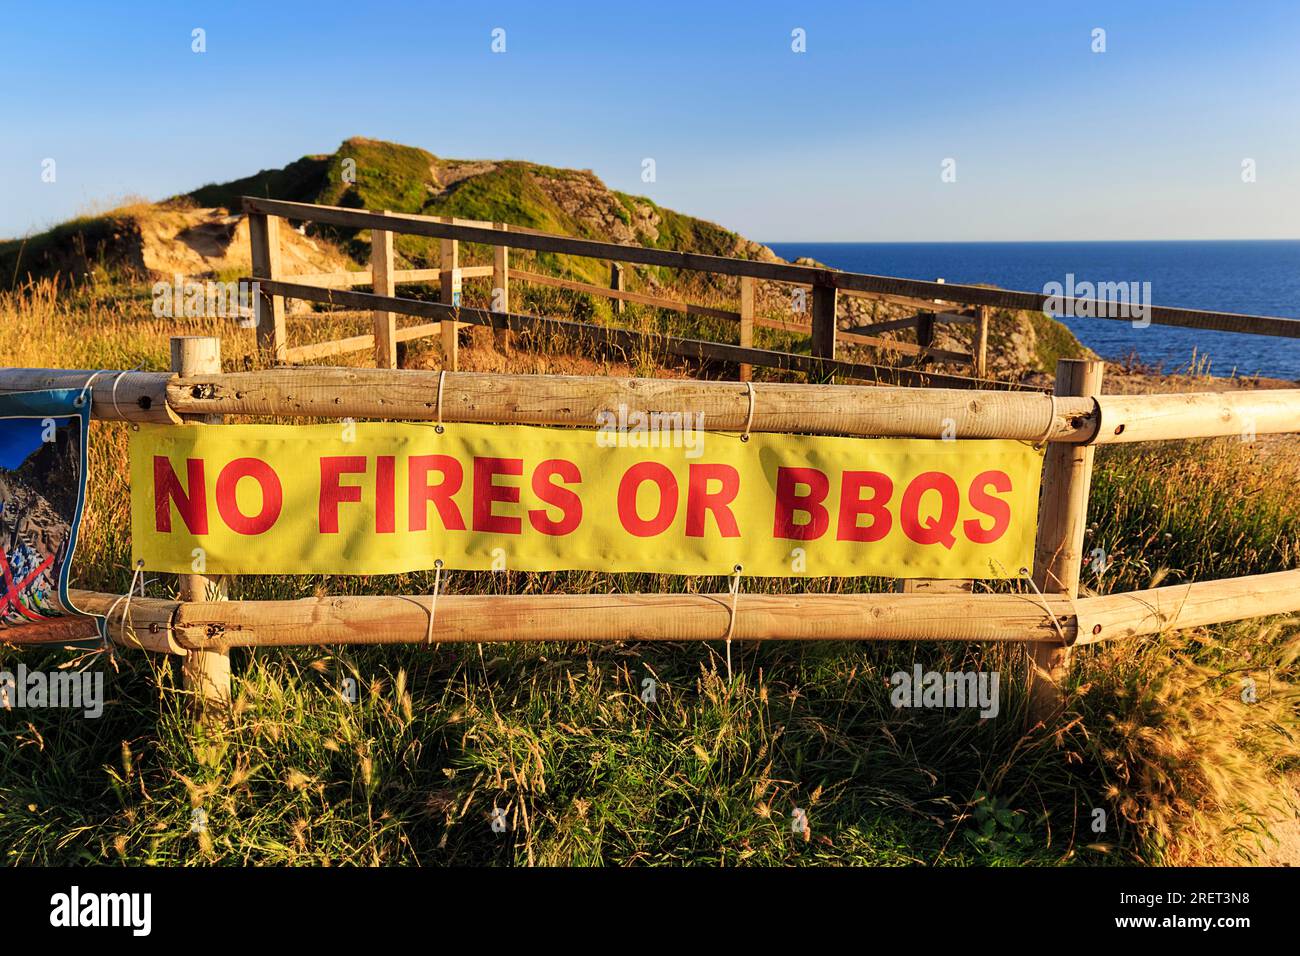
<point>433,601</point>
<point>731,624</point>
<point>81,398</point>
<point>749,419</point>
<point>441,378</point>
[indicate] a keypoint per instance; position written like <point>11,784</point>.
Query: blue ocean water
<point>1259,277</point>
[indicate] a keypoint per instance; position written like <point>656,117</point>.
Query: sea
<point>1257,277</point>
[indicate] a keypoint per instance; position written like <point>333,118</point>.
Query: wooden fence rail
<point>187,627</point>
<point>382,277</point>
<point>490,397</point>
<point>825,285</point>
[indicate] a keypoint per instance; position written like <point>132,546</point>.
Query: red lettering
<point>486,493</point>
<point>332,493</point>
<point>228,501</point>
<point>852,506</point>
<point>550,494</point>
<point>789,502</point>
<point>385,494</point>
<point>699,499</point>
<point>419,492</point>
<point>937,530</point>
<point>627,493</point>
<point>987,504</point>
<point>191,506</point>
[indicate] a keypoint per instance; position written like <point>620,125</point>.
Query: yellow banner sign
<point>384,498</point>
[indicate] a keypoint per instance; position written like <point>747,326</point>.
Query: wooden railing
<point>382,277</point>
<point>1050,618</point>
<point>964,303</point>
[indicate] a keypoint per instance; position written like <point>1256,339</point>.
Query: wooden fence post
<point>823,320</point>
<point>264,246</point>
<point>981,349</point>
<point>746,323</point>
<point>381,277</point>
<point>449,294</point>
<point>1058,550</point>
<point>501,283</point>
<point>924,334</point>
<point>616,283</point>
<point>206,673</point>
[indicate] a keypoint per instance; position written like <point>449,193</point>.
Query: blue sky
<point>19,437</point>
<point>842,142</point>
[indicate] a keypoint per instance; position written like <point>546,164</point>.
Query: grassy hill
<point>370,174</point>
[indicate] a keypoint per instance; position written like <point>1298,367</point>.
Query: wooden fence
<point>934,302</point>
<point>1050,617</point>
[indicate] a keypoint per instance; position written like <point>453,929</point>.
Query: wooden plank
<point>922,614</point>
<point>925,329</point>
<point>348,280</point>
<point>418,331</point>
<point>1134,418</point>
<point>924,339</point>
<point>1058,548</point>
<point>907,348</point>
<point>114,396</point>
<point>850,338</point>
<point>746,323</point>
<point>850,282</point>
<point>981,346</point>
<point>893,325</point>
<point>332,280</point>
<point>409,395</point>
<point>264,245</point>
<point>501,277</point>
<point>628,340</point>
<point>381,271</point>
<point>823,321</point>
<point>449,292</point>
<point>142,623</point>
<point>207,672</point>
<point>482,618</point>
<point>616,284</point>
<point>56,630</point>
<point>919,305</point>
<point>501,285</point>
<point>358,343</point>
<point>1036,302</point>
<point>537,242</point>
<point>1199,604</point>
<point>639,297</point>
<point>320,350</point>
